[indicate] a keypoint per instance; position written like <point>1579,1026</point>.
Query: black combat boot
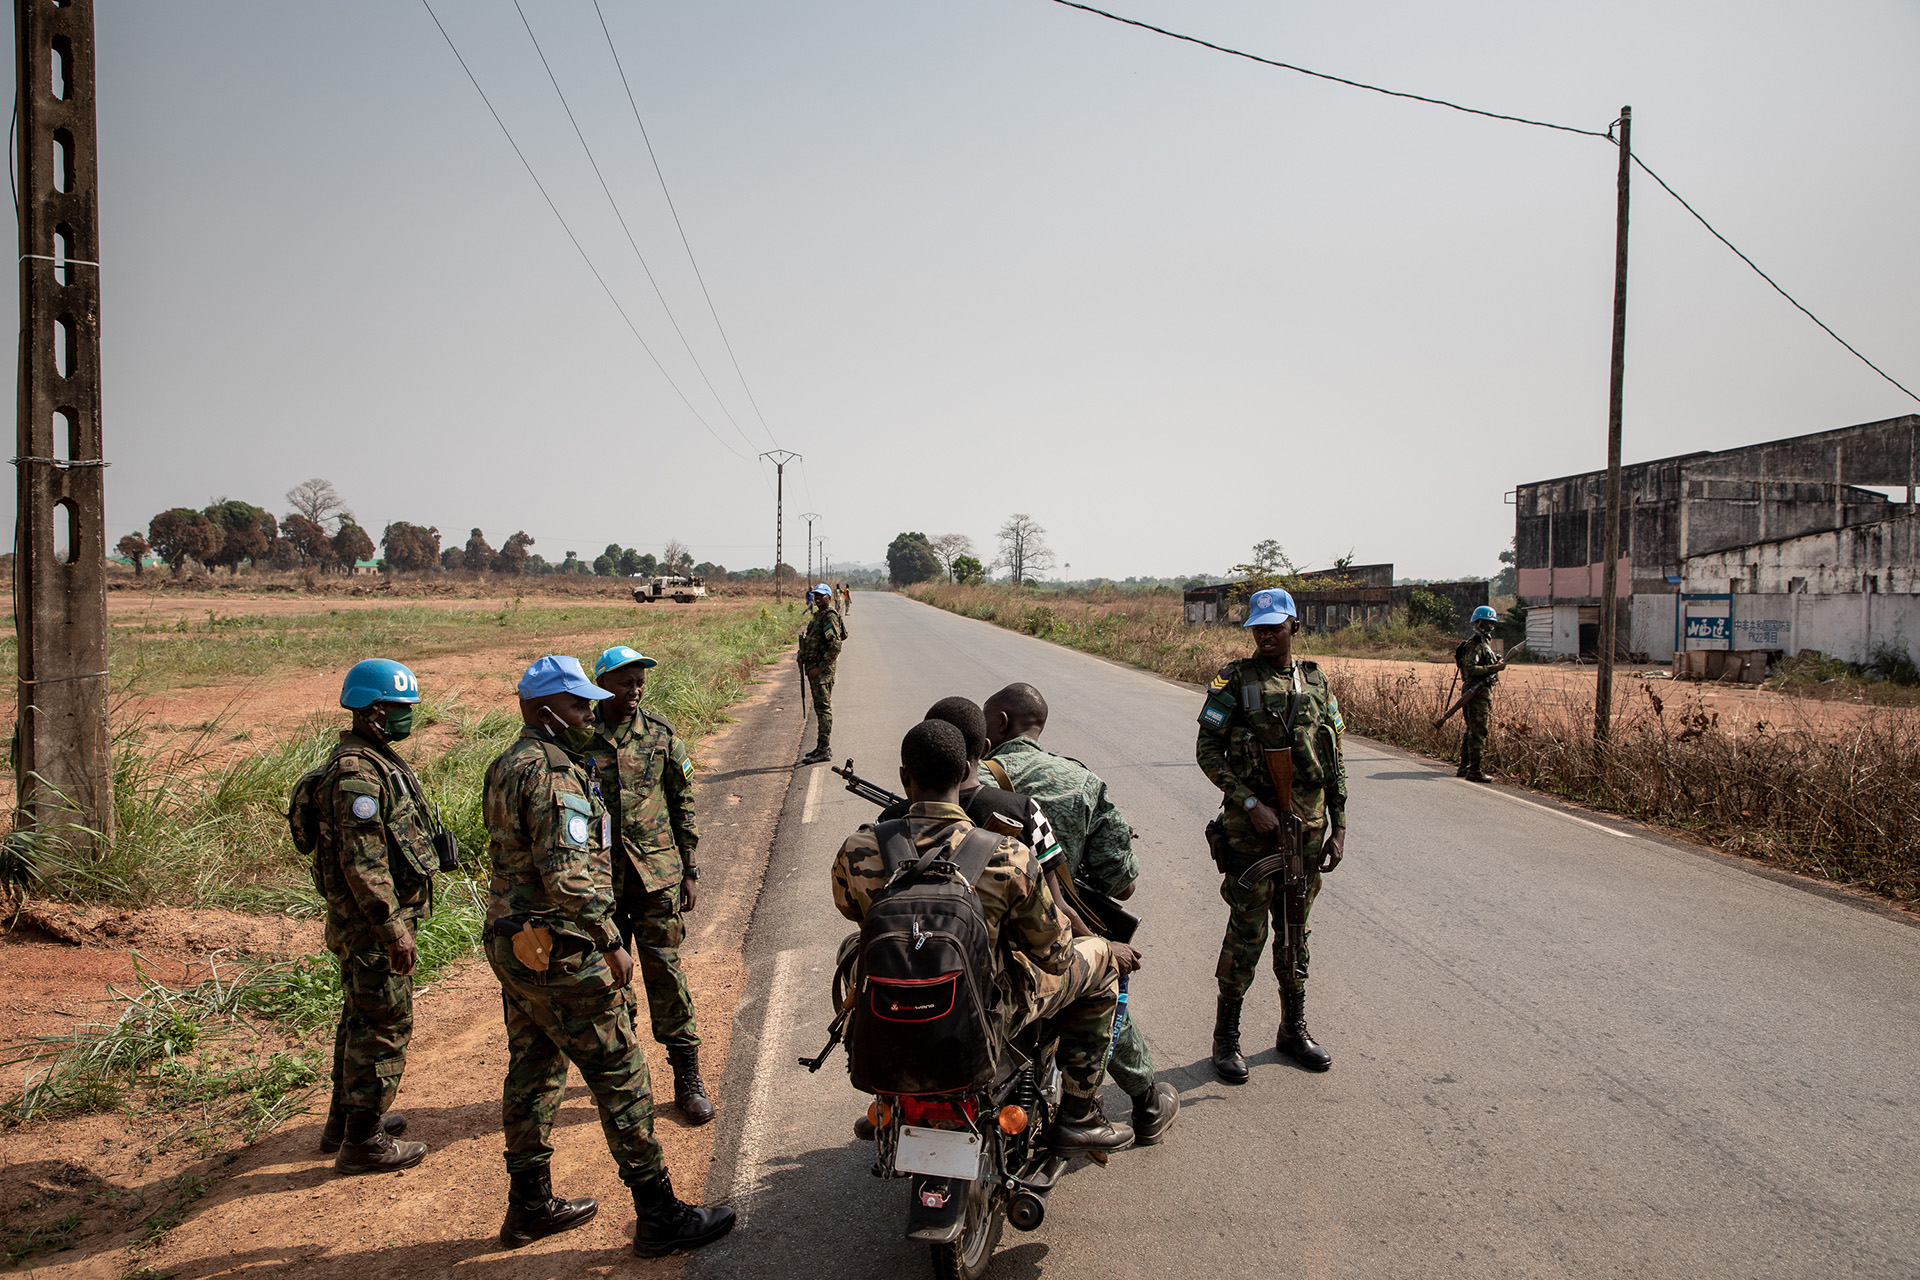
<point>366,1147</point>
<point>819,754</point>
<point>689,1090</point>
<point>1293,1040</point>
<point>336,1129</point>
<point>1082,1126</point>
<point>1477,774</point>
<point>534,1211</point>
<point>1227,1062</point>
<point>664,1223</point>
<point>1153,1113</point>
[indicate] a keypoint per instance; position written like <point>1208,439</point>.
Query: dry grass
<point>1836,799</point>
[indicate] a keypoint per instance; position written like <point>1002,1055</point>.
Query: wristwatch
<point>689,873</point>
<point>1249,803</point>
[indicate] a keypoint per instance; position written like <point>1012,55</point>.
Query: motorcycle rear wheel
<point>967,1258</point>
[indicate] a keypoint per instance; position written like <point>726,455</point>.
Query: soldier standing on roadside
<point>648,783</point>
<point>1477,661</point>
<point>1255,703</point>
<point>819,654</point>
<point>565,974</point>
<point>1096,844</point>
<point>363,818</point>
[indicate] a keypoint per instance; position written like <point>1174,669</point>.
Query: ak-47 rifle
<point>1288,861</point>
<point>1473,690</point>
<point>871,792</point>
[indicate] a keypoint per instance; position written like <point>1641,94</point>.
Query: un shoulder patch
<point>1213,716</point>
<point>576,830</point>
<point>364,807</point>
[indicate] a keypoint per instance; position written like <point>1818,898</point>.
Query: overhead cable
<point>673,209</point>
<point>580,249</point>
<point>1495,115</point>
<point>622,219</point>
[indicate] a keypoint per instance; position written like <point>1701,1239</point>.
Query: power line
<point>720,440</point>
<point>1321,75</point>
<point>1495,115</point>
<point>711,309</point>
<point>1769,279</point>
<point>622,219</point>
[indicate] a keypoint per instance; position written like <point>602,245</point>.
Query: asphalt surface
<point>1562,1046</point>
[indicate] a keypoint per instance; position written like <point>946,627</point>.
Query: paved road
<point>1562,1048</point>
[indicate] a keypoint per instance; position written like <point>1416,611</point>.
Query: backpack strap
<point>1001,777</point>
<point>896,844</point>
<point>975,852</point>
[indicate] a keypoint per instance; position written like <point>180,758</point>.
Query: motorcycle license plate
<point>940,1153</point>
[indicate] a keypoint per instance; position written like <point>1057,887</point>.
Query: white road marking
<point>758,1141</point>
<point>811,809</point>
<point>1508,795</point>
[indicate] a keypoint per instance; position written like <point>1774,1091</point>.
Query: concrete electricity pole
<point>810,517</point>
<point>64,761</point>
<point>781,457</point>
<point>1610,571</point>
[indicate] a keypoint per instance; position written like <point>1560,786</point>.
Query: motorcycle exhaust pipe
<point>1028,1209</point>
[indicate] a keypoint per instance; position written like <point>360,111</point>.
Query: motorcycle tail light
<point>1013,1120</point>
<point>879,1114</point>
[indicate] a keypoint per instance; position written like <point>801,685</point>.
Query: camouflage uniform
<point>1043,971</point>
<point>551,868</point>
<point>819,652</point>
<point>1097,845</point>
<point>1476,659</point>
<point>375,862</point>
<point>1230,753</point>
<point>649,789</point>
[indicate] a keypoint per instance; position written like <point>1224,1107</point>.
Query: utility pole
<point>64,783</point>
<point>810,517</point>
<point>781,457</point>
<point>1610,571</point>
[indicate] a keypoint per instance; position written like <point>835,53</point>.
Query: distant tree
<point>135,548</point>
<point>678,559</point>
<point>308,538</point>
<point>283,555</point>
<point>246,532</point>
<point>1345,561</point>
<point>967,570</point>
<point>949,547</point>
<point>411,548</point>
<point>1425,609</point>
<point>1270,558</point>
<point>710,571</point>
<point>317,500</point>
<point>181,533</point>
<point>910,559</point>
<point>452,558</point>
<point>477,557</point>
<point>1023,547</point>
<point>571,564</point>
<point>629,565</point>
<point>1506,582</point>
<point>512,557</point>
<point>784,572</point>
<point>647,565</point>
<point>351,545</point>
<point>537,565</point>
<point>603,566</point>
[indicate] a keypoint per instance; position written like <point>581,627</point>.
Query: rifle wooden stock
<point>1473,690</point>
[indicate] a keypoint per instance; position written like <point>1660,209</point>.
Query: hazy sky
<point>986,257</point>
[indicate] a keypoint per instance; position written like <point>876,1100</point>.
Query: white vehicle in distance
<point>680,588</point>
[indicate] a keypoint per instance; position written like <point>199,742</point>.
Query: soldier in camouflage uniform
<point>1096,844</point>
<point>1247,709</point>
<point>565,974</point>
<point>373,861</point>
<point>1477,661</point>
<point>1042,970</point>
<point>648,781</point>
<point>819,653</point>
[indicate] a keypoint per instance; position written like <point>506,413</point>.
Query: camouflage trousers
<point>1251,915</point>
<point>1080,1004</point>
<point>820,684</point>
<point>376,1021</point>
<point>575,1015</point>
<point>1479,717</point>
<point>654,930</point>
<point>1131,1066</point>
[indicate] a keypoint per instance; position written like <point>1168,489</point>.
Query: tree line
<point>1023,552</point>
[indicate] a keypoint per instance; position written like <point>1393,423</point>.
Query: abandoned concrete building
<point>1799,544</point>
<point>1360,595</point>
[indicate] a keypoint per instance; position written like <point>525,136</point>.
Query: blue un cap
<point>1269,608</point>
<point>559,673</point>
<point>620,656</point>
<point>823,590</point>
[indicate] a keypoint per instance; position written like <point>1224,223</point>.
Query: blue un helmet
<point>1269,608</point>
<point>620,656</point>
<point>1485,613</point>
<point>378,680</point>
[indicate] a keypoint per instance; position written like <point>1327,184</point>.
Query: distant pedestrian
<point>1478,662</point>
<point>364,819</point>
<point>819,655</point>
<point>647,781</point>
<point>566,975</point>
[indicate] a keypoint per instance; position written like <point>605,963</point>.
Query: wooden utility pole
<point>781,457</point>
<point>1610,571</point>
<point>64,764</point>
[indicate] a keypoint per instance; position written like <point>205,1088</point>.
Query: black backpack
<point>923,1014</point>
